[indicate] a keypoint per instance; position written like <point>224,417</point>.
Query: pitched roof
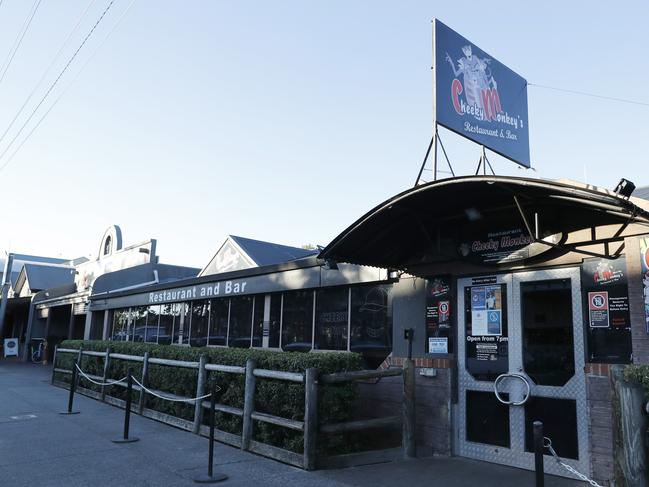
<point>267,253</point>
<point>642,192</point>
<point>38,258</point>
<point>42,276</point>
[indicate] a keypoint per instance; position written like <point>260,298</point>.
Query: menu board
<point>487,354</point>
<point>439,315</point>
<point>606,310</point>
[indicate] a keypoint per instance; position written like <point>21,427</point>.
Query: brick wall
<point>639,337</point>
<point>600,428</point>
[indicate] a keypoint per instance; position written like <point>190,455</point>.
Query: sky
<point>284,121</point>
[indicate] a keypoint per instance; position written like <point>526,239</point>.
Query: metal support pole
<point>538,453</point>
<point>423,164</point>
<point>73,387</point>
<point>127,413</point>
<point>211,477</point>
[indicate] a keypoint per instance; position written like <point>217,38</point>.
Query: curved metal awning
<point>428,223</point>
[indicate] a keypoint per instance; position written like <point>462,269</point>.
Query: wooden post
<point>200,391</point>
<point>248,404</point>
<point>145,375</point>
<point>630,425</point>
<point>105,377</point>
<point>310,418</point>
<point>409,445</point>
<point>56,347</point>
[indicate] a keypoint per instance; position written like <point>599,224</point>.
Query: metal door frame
<point>516,455</point>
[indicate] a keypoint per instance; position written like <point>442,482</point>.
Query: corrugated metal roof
<point>42,276</point>
<point>267,253</point>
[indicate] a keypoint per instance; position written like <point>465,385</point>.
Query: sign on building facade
<point>478,97</point>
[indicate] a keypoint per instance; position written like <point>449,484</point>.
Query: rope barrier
<point>110,383</point>
<point>194,399</point>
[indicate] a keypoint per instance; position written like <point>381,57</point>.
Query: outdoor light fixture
<point>393,274</point>
<point>331,264</point>
<point>624,188</point>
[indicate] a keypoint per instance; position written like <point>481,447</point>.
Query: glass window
<point>97,325</point>
<point>371,322</point>
<point>258,321</point>
<point>331,318</point>
<point>120,325</point>
<point>169,321</point>
<point>219,321</point>
<point>548,348</point>
<point>152,321</point>
<point>240,321</point>
<point>297,321</point>
<point>274,322</point>
<point>138,323</point>
<point>200,316</point>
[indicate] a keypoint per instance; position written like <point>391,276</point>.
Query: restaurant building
<point>520,294</point>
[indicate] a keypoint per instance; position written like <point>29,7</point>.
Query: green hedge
<point>638,374</point>
<point>279,398</point>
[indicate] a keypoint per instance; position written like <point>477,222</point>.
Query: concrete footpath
<point>39,447</point>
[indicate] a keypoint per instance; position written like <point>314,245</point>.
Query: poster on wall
<point>487,347</point>
<point>606,310</point>
<point>478,97</point>
<point>439,315</point>
<point>644,256</point>
<point>598,309</point>
<point>486,310</point>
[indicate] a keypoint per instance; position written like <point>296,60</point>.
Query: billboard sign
<point>478,97</point>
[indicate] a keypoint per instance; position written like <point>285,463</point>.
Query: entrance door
<point>521,359</point>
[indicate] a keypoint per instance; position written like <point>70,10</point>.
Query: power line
<point>56,56</point>
<point>65,90</point>
<point>19,40</point>
<point>592,95</point>
<point>49,90</point>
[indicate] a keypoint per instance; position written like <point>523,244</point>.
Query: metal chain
<point>547,443</point>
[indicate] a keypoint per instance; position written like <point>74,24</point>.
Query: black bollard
<point>211,477</point>
<point>127,413</point>
<point>538,453</point>
<point>73,388</point>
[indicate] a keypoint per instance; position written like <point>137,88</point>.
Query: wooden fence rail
<point>309,427</point>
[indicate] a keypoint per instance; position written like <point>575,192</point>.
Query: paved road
<point>39,447</point>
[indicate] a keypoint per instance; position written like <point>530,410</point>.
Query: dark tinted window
<point>297,321</point>
<point>274,322</point>
<point>240,321</point>
<point>371,322</point>
<point>219,321</point>
<point>151,329</point>
<point>331,317</point>
<point>199,323</point>
<point>258,321</point>
<point>169,321</point>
